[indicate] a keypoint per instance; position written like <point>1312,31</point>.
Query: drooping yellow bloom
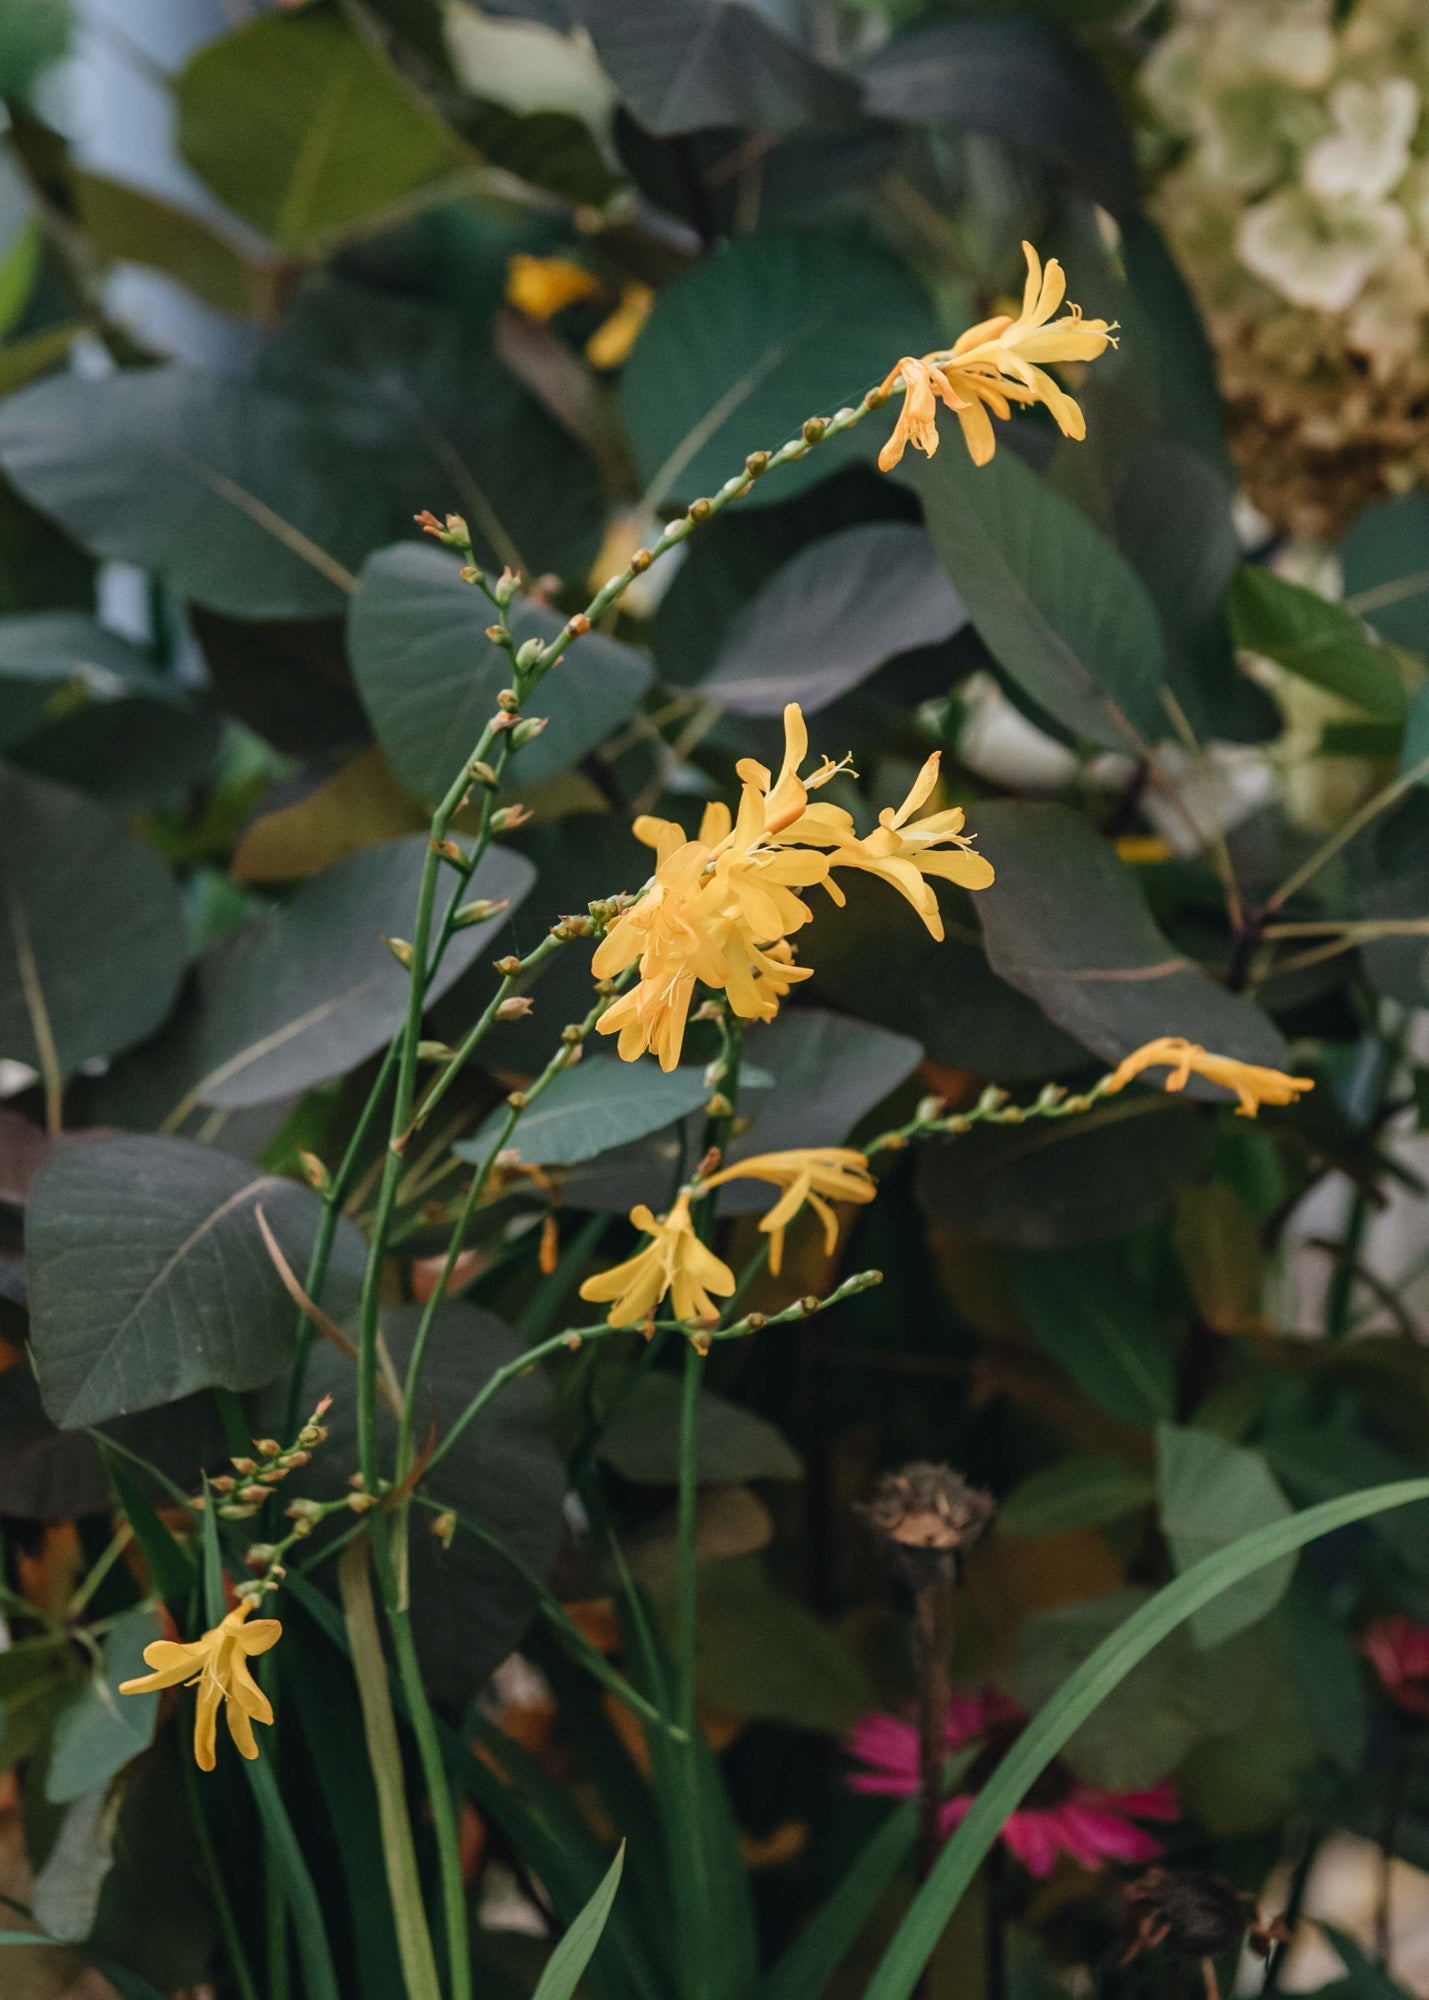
<point>541,287</point>
<point>217,1663</point>
<point>1252,1084</point>
<point>674,1264</point>
<point>924,387</point>
<point>995,364</point>
<point>812,1174</point>
<point>904,851</point>
<point>613,338</point>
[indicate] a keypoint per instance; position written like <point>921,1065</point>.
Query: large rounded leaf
<point>772,330</point>
<point>841,608</point>
<point>91,931</point>
<point>307,132</point>
<point>149,1277</point>
<point>429,676</point>
<point>1060,610</point>
<point>1065,923</point>
<point>469,1607</point>
<point>309,990</point>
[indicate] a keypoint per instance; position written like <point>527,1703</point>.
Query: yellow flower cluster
<point>677,1265</point>
<point>720,909</point>
<point>541,287</point>
<point>994,365</point>
<point>1252,1083</point>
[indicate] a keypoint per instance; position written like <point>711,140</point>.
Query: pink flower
<point>1059,1815</point>
<point>1399,1652</point>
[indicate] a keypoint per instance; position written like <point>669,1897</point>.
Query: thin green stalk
<point>223,1909</point>
<point>688,1583</point>
<point>454,1064</point>
<point>434,1773</point>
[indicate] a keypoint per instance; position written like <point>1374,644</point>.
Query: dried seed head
<point>1193,1914</point>
<point>925,1517</point>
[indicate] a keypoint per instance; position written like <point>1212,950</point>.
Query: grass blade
<point>1083,1692</point>
<point>826,1940</point>
<point>573,1954</point>
<point>404,1882</point>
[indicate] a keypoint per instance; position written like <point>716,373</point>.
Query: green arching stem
<point>688,1582</point>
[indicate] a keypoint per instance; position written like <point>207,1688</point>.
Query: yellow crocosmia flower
<point>904,850</point>
<point>924,387</point>
<point>541,287</point>
<point>812,1174</point>
<point>1252,1084</point>
<point>612,341</point>
<point>217,1663</point>
<point>996,364</point>
<point>673,1264</point>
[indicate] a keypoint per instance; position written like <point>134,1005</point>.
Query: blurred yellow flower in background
<point>541,287</point>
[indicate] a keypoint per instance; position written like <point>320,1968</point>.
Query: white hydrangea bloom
<point>1319,253</point>
<point>1368,151</point>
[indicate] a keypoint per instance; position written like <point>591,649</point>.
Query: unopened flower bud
<point>304,1510</point>
<point>312,1434</point>
<point>527,654</point>
<point>508,701</point>
<point>267,1447</point>
<point>449,851</point>
<point>700,510</point>
<point>756,1322</point>
<point>479,912</point>
<point>318,1175</point>
<point>223,1483</point>
<point>814,429</point>
<point>924,1518</point>
<point>577,627</point>
<point>573,1034</point>
<point>232,1511</point>
<point>509,966</point>
<point>641,561</point>
<point>483,774</point>
<point>356,1481</point>
<point>400,950</point>
<point>244,1465</point>
<point>361,1502</point>
<point>258,1555</point>
<point>513,1008</point>
<point>444,1527</point>
<point>516,1099</point>
<point>293,1459</point>
<point>526,731</point>
<point>507,817</point>
<point>757,463</point>
<point>505,587</point>
<point>718,1106</point>
<point>253,1496</point>
<point>574,926</point>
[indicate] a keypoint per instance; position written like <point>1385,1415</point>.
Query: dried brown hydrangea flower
<point>925,1517</point>
<point>1193,1914</point>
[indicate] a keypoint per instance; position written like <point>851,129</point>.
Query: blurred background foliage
<point>273,280</point>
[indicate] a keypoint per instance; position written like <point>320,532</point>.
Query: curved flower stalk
<point>993,366</point>
<point>720,909</point>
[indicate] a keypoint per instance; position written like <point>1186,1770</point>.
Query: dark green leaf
<point>1386,559</point>
<point>1086,1491</point>
<point>103,1731</point>
<point>308,990</point>
<point>33,34</point>
<point>875,958</point>
<point>1211,1494</point>
<point>133,753</point>
<point>774,329</point>
<point>599,1104</point>
<point>809,1964</point>
<point>1059,609</point>
<point>149,1277</point>
<point>1315,640</point>
<point>429,676</point>
<point>832,616</point>
<point>1014,78</point>
<point>1085,1314</point>
<point>574,1952</point>
<point>306,132</point>
<point>682,65</point>
<point>1080,1180</point>
<point>139,228</point>
<point>732,1444</point>
<point>92,942</point>
<point>1066,923</point>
